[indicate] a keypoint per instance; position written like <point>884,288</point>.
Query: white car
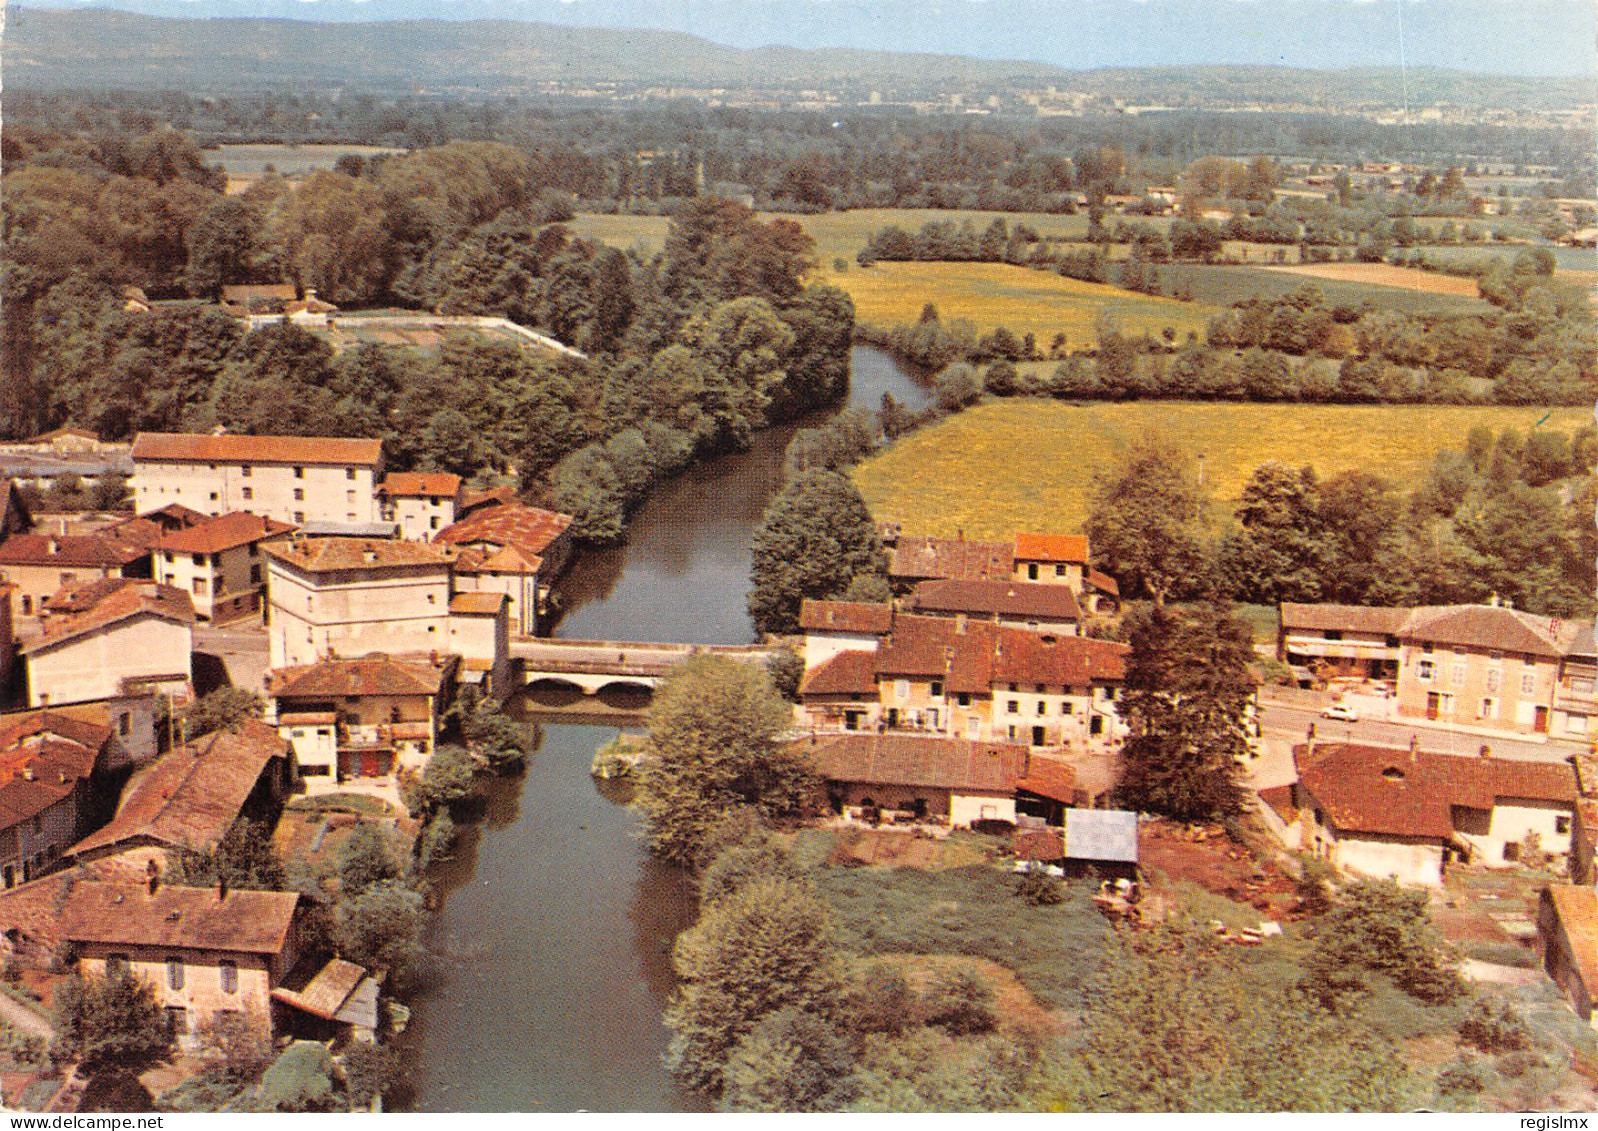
<point>1342,712</point>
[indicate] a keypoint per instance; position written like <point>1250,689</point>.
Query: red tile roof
<point>937,647</point>
<point>193,794</point>
<point>1483,626</point>
<point>239,528</point>
<point>228,448</point>
<point>327,555</point>
<point>1103,582</point>
<point>39,771</point>
<point>1069,661</point>
<point>493,497</point>
<point>1051,548</point>
<point>917,760</point>
<point>922,558</point>
<point>91,551</point>
<point>858,617</point>
<point>1004,598</point>
<point>131,599</point>
<point>324,996</point>
<point>1577,909</point>
<point>52,721</point>
<point>477,604</point>
<point>249,922</point>
<point>415,484</point>
<point>1377,620</point>
<point>371,675</point>
<point>1371,789</point>
<point>529,530</point>
<point>847,673</point>
<point>1049,778</point>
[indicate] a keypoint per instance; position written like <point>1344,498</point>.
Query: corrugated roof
<point>1051,548</point>
<point>1004,598</point>
<point>1101,834</point>
<point>228,448</point>
<point>250,922</point>
<point>224,532</point>
<point>1372,789</point>
<point>845,616</point>
<point>917,760</point>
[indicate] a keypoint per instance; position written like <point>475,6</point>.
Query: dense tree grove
<point>815,540</point>
<point>688,351</point>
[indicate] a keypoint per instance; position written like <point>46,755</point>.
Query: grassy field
<point>1226,285</point>
<point>1026,301</point>
<point>1383,275</point>
<point>286,159</point>
<point>1011,465</point>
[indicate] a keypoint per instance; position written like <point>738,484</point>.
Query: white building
<point>296,479</point>
<point>135,636</point>
<point>422,502</point>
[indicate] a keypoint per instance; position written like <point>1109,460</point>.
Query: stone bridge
<point>594,666</point>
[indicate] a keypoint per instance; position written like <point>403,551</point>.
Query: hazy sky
<point>1527,37</point>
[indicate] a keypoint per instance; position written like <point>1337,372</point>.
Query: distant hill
<point>108,49</point>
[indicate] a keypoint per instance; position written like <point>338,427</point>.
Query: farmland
<point>1025,301</point>
<point>287,159</point>
<point>1382,275</point>
<point>1223,286</point>
<point>1011,465</point>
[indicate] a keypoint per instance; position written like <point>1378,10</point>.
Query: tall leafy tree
<point>1144,520</point>
<point>1186,704</point>
<point>1275,554</point>
<point>814,539</point>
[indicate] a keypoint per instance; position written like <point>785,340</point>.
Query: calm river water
<point>555,929</point>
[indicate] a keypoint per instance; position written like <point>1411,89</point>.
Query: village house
<point>1482,665</point>
<point>360,719</point>
<point>130,724</point>
<point>265,304</point>
<point>1043,559</point>
<point>189,797</point>
<point>1575,699</point>
<point>38,565</point>
<point>1567,929</point>
<point>479,632</point>
<point>45,768</point>
<point>831,627</point>
<point>1022,604</point>
<point>421,502</point>
<point>1322,642</point>
<point>1382,812</point>
<point>913,560</point>
<point>122,638</point>
<point>295,479</point>
<point>917,776</point>
<point>219,564</point>
<point>208,954</point>
<point>515,550</point>
<point>352,596</point>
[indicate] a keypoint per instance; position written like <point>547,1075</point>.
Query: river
<point>555,926</point>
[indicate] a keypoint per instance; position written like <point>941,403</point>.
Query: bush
<point>369,1071</point>
<point>437,838</point>
<point>110,1022</point>
<point>786,668</point>
<point>962,1003</point>
<point>883,1001</point>
<point>1495,1027</point>
<point>447,779</point>
<point>957,387</point>
<point>301,1079</point>
<point>1039,888</point>
<point>222,709</point>
<point>1465,1075</point>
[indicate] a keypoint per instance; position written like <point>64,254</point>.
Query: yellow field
<point>1025,301</point>
<point>1382,275</point>
<point>1011,465</point>
<point>838,235</point>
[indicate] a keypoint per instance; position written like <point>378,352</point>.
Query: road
<point>1284,722</point>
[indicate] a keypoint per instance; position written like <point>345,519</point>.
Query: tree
<point>222,248</point>
<point>380,928</point>
<point>300,1079</point>
<point>370,1070</point>
<point>1378,926</point>
<point>222,709</point>
<point>365,858</point>
<point>244,860</point>
<point>794,1060</point>
<point>767,947</point>
<point>814,539</point>
<point>1178,1023</point>
<point>1144,520</point>
<point>1186,707</point>
<point>447,779</point>
<point>113,1022</point>
<point>1275,554</point>
<point>713,730</point>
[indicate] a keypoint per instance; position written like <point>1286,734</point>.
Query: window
<point>299,494</point>
<point>973,729</point>
<point>901,689</point>
<point>1334,634</point>
<point>198,585</point>
<point>1040,688</point>
<point>228,970</point>
<point>1494,678</point>
<point>1059,571</point>
<point>964,699</point>
<point>1458,674</point>
<point>1561,824</point>
<point>169,557</point>
<point>116,966</point>
<point>349,497</point>
<point>315,771</point>
<point>249,492</point>
<point>213,496</point>
<point>1068,708</point>
<point>1032,572</point>
<point>1528,682</point>
<point>174,972</point>
<point>1425,670</point>
<point>299,516</point>
<point>255,575</point>
<point>1511,850</point>
<point>177,1021</point>
<point>432,523</point>
<point>245,471</point>
<point>125,724</point>
<point>937,688</point>
<point>299,473</point>
<point>1013,707</point>
<point>1489,708</point>
<point>1043,707</point>
<point>349,473</point>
